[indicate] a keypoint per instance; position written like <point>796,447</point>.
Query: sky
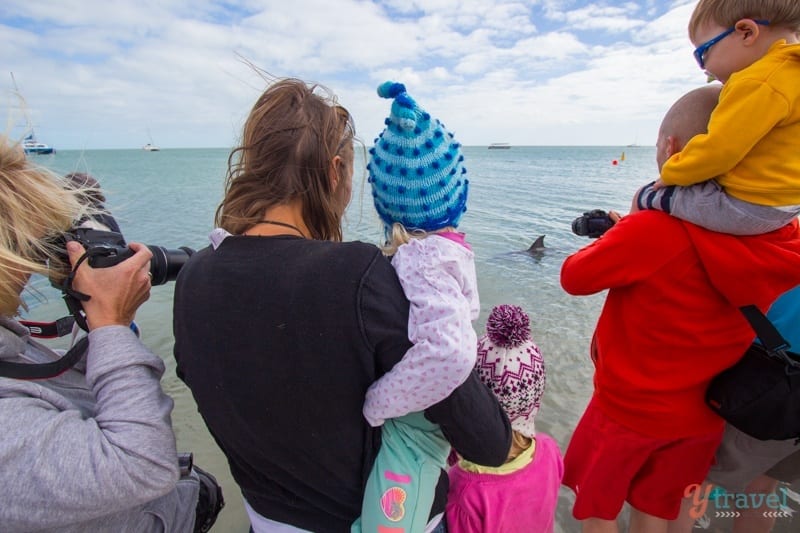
<point>99,74</point>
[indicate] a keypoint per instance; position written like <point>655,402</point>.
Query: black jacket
<point>279,338</point>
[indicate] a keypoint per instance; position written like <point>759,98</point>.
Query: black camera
<point>592,223</point>
<point>107,248</point>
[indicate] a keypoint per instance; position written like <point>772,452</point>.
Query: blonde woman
<point>92,448</point>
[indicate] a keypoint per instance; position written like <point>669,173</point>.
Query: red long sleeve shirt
<point>671,319</point>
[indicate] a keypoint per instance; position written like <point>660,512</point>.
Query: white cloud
<point>100,74</point>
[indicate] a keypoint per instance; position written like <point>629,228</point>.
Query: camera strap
<point>73,298</point>
<point>50,330</point>
<point>45,370</point>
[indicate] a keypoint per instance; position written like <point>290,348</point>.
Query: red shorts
<point>607,464</point>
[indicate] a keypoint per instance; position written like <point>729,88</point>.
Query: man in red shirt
<point>670,323</point>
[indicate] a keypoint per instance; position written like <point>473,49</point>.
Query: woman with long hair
<point>281,327</point>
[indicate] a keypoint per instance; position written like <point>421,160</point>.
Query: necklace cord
<point>284,224</point>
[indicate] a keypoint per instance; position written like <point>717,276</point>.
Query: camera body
<point>108,248</point>
<point>592,224</point>
<point>105,249</point>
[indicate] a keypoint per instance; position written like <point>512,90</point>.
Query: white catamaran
<point>30,144</point>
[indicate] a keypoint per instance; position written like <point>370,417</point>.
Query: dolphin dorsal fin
<point>538,244</point>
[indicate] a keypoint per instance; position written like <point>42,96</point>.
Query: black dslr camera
<point>592,224</point>
<point>106,249</point>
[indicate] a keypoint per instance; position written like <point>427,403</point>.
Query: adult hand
<point>116,292</point>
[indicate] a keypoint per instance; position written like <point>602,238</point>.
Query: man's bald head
<point>686,118</point>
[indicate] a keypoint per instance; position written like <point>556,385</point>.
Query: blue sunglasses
<point>701,51</point>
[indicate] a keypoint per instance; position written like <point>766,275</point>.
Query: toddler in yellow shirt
<point>743,175</point>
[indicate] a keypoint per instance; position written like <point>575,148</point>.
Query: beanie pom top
<point>390,89</point>
<point>508,326</point>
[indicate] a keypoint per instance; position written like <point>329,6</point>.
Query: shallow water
<point>168,198</point>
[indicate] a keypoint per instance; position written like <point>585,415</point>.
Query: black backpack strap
<point>772,340</point>
<point>765,330</point>
<point>45,370</point>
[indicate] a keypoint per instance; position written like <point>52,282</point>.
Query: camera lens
<point>579,226</point>
<point>165,264</point>
<point>592,224</point>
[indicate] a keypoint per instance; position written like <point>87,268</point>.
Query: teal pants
<point>401,487</point>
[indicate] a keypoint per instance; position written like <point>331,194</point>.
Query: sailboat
<point>150,147</point>
<point>30,144</point>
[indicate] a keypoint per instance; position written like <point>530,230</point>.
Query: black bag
<point>760,394</point>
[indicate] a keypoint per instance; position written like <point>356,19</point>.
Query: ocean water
<point>168,198</point>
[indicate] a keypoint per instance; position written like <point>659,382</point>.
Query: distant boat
<point>150,147</point>
<point>30,144</point>
<point>499,146</point>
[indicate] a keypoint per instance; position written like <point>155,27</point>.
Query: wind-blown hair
<point>35,207</point>
<point>289,140</point>
<point>779,13</point>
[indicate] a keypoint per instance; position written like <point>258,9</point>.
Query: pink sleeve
<point>460,521</point>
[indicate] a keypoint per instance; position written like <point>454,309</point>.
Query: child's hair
<point>416,168</point>
<point>82,181</point>
<point>399,235</point>
<point>289,141</point>
<point>779,13</point>
<point>511,365</point>
<point>36,207</point>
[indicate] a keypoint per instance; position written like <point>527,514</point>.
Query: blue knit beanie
<point>416,168</point>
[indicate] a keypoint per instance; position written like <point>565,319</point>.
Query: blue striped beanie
<point>416,168</point>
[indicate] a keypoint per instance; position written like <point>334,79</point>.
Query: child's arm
<point>443,297</point>
<point>747,111</point>
<point>659,184</point>
<point>462,517</point>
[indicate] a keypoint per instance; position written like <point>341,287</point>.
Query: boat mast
<point>23,107</point>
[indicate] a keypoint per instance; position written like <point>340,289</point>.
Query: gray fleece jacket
<point>91,449</point>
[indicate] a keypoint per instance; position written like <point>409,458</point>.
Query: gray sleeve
<point>64,468</point>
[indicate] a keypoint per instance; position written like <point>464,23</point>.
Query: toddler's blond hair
<point>399,236</point>
<point>779,13</point>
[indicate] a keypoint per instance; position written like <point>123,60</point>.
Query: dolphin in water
<point>537,247</point>
<point>535,250</point>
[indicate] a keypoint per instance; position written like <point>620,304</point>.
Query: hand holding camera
<point>119,288</point>
<point>117,291</point>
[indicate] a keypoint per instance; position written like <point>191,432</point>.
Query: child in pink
<point>521,495</point>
